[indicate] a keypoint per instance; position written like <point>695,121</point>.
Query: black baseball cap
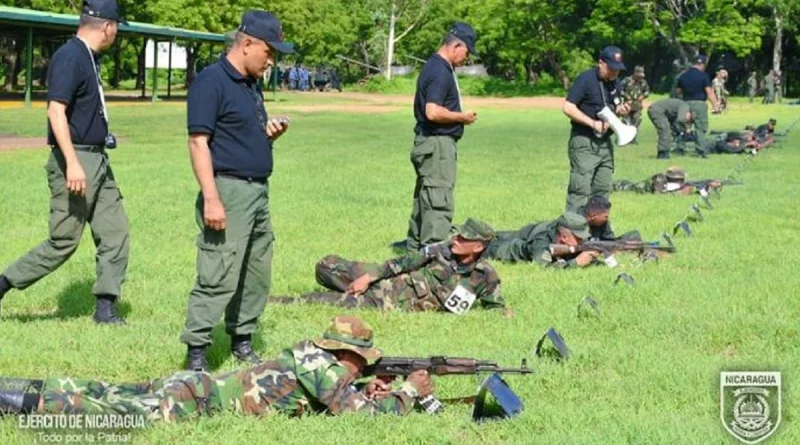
<point>465,33</point>
<point>103,9</point>
<point>612,56</point>
<point>265,26</point>
<point>700,59</point>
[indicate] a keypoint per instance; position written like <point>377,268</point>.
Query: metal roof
<point>21,17</point>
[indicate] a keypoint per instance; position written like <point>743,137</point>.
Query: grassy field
<point>646,371</point>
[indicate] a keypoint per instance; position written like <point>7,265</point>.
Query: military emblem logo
<point>750,404</point>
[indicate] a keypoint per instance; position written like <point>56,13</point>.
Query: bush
<point>470,86</point>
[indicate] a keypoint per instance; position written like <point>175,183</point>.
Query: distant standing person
<point>635,90</point>
<point>769,87</point>
<point>440,124</point>
<point>694,87</point>
<point>591,151</point>
<point>752,86</point>
<point>230,143</point>
<point>82,185</point>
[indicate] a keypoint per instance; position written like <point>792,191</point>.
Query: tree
<point>691,25</point>
<point>393,14</point>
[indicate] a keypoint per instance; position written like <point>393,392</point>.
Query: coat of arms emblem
<point>750,404</point>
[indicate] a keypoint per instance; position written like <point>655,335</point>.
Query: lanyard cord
<point>97,79</point>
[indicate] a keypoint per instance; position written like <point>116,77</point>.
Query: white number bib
<point>459,301</point>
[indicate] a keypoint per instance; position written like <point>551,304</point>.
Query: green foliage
<point>470,86</point>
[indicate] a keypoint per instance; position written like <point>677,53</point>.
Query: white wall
<point>178,55</point>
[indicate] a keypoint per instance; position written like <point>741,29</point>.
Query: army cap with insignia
<point>475,230</point>
<point>612,56</point>
<point>352,334</point>
<point>575,223</point>
<point>676,173</point>
<point>103,9</point>
<point>265,26</point>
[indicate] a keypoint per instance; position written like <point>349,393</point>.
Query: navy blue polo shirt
<point>72,80</point>
<point>693,83</point>
<point>437,85</point>
<point>229,108</point>
<point>590,95</point>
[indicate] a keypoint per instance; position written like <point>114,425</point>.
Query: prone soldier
<point>447,276</point>
<point>672,181</point>
<point>312,376</point>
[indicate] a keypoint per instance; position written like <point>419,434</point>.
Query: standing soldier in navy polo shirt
<point>694,87</point>
<point>440,124</point>
<point>591,152</point>
<point>82,186</point>
<point>230,142</point>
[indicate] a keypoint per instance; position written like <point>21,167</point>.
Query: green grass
<point>647,371</point>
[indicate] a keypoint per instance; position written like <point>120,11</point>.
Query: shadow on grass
<point>76,300</point>
<point>220,348</point>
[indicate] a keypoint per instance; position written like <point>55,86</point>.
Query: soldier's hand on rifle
<point>586,258</point>
<point>377,389</point>
<point>422,381</point>
<point>359,285</point>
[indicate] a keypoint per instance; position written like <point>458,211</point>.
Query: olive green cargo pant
<point>658,117</point>
<point>434,159</point>
<point>591,162</point>
<point>699,110</point>
<point>233,265</point>
<point>69,213</point>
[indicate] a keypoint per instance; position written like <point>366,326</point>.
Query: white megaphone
<point>625,133</point>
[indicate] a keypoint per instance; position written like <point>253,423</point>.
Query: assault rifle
<point>607,247</point>
<point>706,183</point>
<point>438,365</point>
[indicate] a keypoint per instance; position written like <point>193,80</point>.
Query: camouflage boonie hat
<point>676,174</point>
<point>575,223</point>
<point>475,230</point>
<point>772,121</point>
<point>639,70</point>
<point>351,333</point>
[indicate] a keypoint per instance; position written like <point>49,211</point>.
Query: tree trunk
<point>10,61</point>
<point>191,62</point>
<point>559,70</point>
<point>115,76</point>
<point>390,43</point>
<point>532,74</point>
<point>140,66</point>
<point>19,61</point>
<point>777,49</point>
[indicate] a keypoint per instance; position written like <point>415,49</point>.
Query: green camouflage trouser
<point>398,292</point>
<point>635,116</point>
<point>434,159</point>
<point>624,185</point>
<point>699,110</point>
<point>591,162</point>
<point>233,265</point>
<point>69,213</point>
<point>663,128</point>
<point>180,395</point>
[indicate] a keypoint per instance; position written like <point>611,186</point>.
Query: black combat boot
<point>196,359</point>
<point>242,349</point>
<point>104,311</point>
<point>663,155</point>
<point>16,402</point>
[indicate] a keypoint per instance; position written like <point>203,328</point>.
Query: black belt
<point>241,178</point>
<point>89,148</point>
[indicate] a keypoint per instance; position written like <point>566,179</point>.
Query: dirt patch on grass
<point>8,142</point>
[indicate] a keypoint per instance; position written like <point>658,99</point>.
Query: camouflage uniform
<point>752,86</point>
<point>304,378</point>
<point>634,90</point>
<point>670,181</point>
<point>769,86</point>
<point>419,281</point>
<point>532,242</point>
